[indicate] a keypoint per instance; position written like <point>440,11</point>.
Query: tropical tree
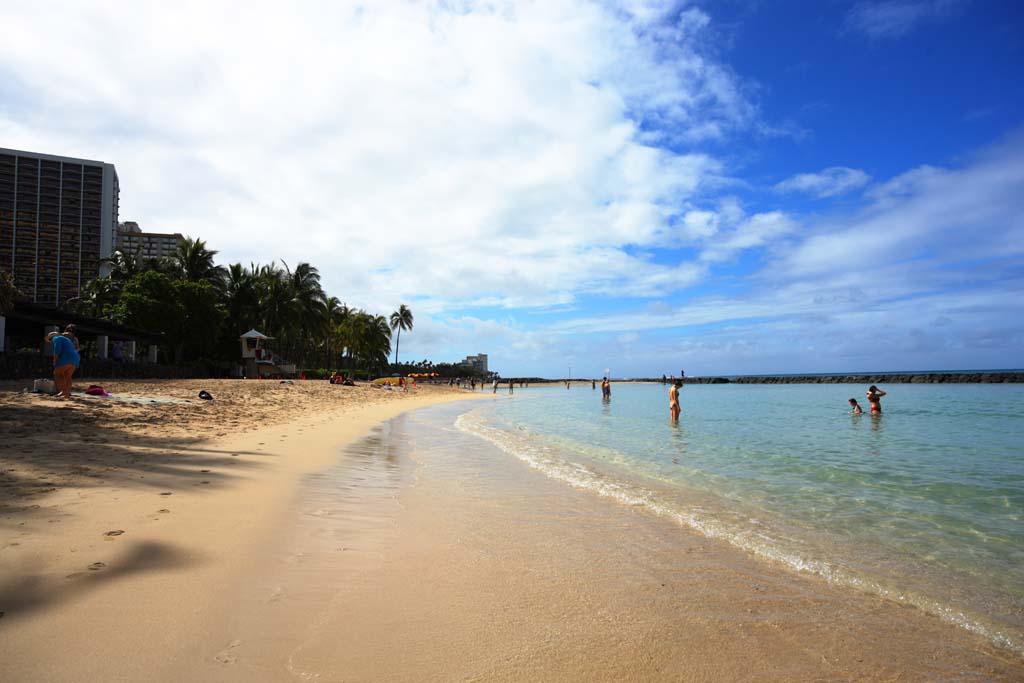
<point>195,263</point>
<point>307,302</point>
<point>368,340</point>
<point>400,320</point>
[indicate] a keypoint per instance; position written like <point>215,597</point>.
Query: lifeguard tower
<point>257,358</point>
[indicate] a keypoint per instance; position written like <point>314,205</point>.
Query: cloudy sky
<point>727,187</point>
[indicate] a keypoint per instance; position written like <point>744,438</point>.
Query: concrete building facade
<point>132,240</point>
<point>58,218</point>
<point>477,363</point>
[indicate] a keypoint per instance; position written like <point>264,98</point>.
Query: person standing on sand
<point>495,390</point>
<point>673,400</point>
<point>65,360</point>
<point>69,332</point>
<point>875,399</point>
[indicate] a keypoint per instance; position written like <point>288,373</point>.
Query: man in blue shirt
<point>65,361</point>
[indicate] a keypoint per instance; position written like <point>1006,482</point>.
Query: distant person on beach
<point>511,387</point>
<point>855,407</point>
<point>65,361</point>
<point>593,384</point>
<point>495,390</point>
<point>673,400</point>
<point>606,388</point>
<point>69,332</point>
<point>875,399</point>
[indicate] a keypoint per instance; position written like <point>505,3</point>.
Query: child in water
<point>855,406</point>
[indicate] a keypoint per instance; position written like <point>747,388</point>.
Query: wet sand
<point>421,553</point>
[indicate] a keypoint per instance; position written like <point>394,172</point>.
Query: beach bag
<point>44,386</point>
<point>96,390</point>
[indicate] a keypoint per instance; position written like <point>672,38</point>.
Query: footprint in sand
<point>95,566</point>
<point>166,493</point>
<point>225,656</point>
<point>115,532</point>
<point>163,511</point>
<point>204,471</point>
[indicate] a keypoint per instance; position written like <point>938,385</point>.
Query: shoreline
<point>431,560</point>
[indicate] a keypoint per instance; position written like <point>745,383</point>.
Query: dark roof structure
<point>27,317</point>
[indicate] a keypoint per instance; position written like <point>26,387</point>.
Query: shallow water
<point>923,504</point>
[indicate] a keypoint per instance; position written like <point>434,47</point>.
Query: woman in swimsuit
<point>673,400</point>
<point>875,399</point>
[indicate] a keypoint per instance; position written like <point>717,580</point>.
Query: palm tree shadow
<point>26,594</point>
<point>46,448</point>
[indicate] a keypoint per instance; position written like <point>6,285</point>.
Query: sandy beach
<point>313,532</point>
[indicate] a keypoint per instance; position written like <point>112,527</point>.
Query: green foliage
<point>197,333</point>
<point>8,292</point>
<point>188,314</point>
<point>401,320</point>
<point>148,301</point>
<point>202,309</point>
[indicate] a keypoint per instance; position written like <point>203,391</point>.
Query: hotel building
<point>477,363</point>
<point>131,240</point>
<point>58,218</point>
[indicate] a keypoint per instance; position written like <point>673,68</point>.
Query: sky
<point>628,186</point>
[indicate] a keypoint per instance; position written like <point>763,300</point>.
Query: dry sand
<point>272,558</point>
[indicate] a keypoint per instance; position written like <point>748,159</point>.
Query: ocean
<point>923,505</point>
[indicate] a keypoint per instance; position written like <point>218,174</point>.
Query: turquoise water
<point>924,504</point>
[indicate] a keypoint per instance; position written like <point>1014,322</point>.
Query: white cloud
<point>479,152</point>
<point>894,18</point>
<point>831,182</point>
<point>948,215</point>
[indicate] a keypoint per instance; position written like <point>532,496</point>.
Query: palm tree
<point>195,263</point>
<point>400,320</point>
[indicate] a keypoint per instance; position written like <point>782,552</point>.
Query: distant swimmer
<point>593,384</point>
<point>673,400</point>
<point>875,399</point>
<point>855,407</point>
<point>606,388</point>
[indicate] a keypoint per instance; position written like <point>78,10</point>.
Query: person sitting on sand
<point>673,400</point>
<point>875,399</point>
<point>65,360</point>
<point>856,409</point>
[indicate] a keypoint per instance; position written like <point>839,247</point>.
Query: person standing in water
<point>855,408</point>
<point>673,400</point>
<point>606,389</point>
<point>875,399</point>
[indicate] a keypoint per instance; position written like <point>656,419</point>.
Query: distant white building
<point>131,240</point>
<point>477,363</point>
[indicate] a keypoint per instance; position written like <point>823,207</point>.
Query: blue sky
<point>727,187</point>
